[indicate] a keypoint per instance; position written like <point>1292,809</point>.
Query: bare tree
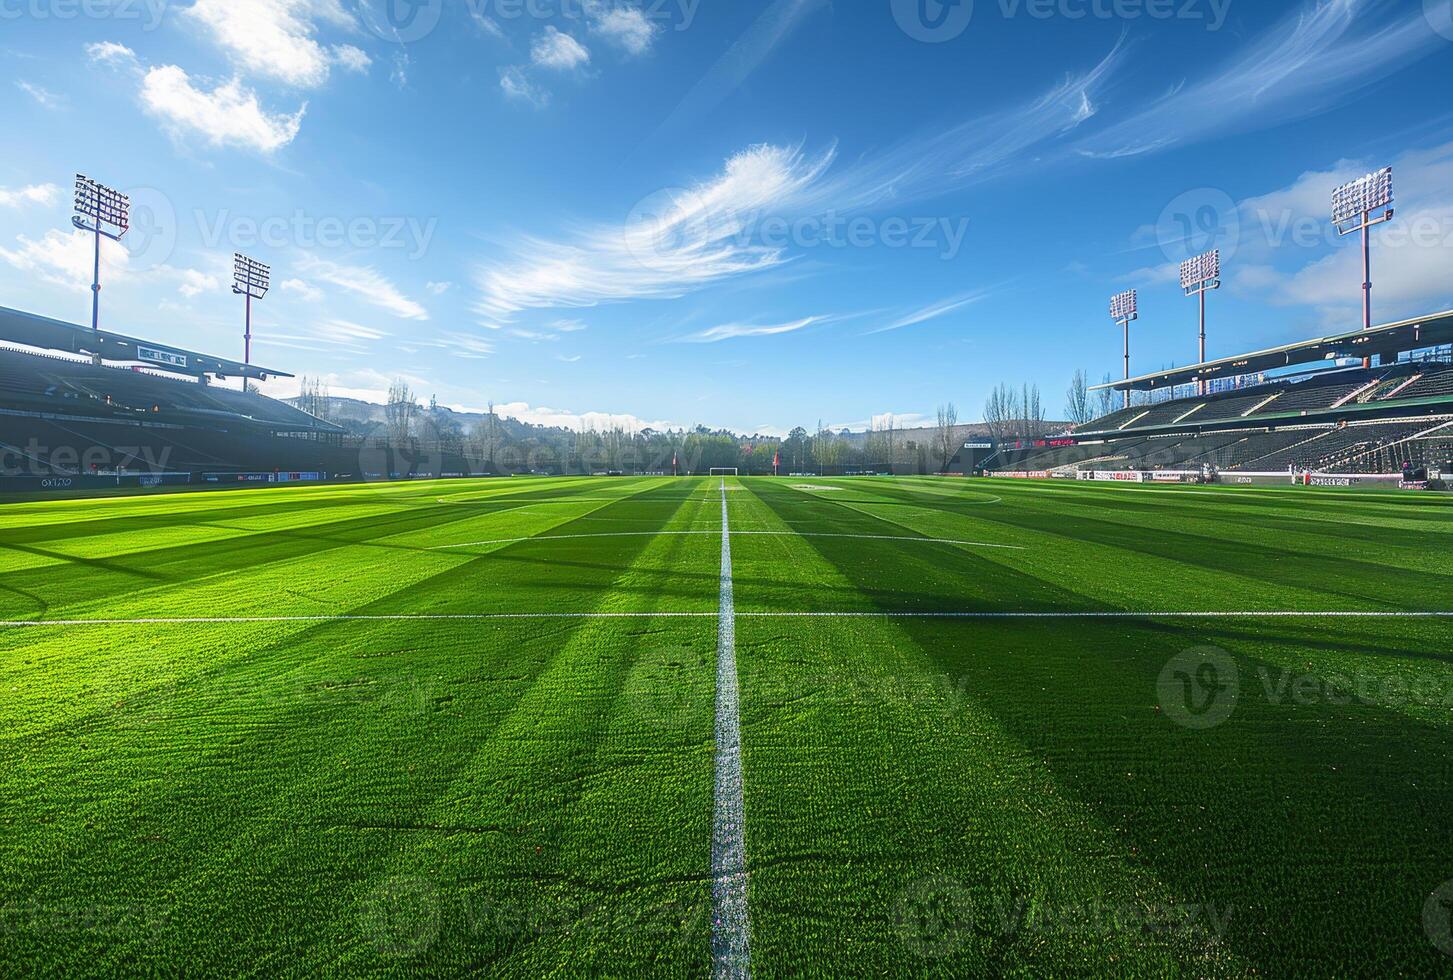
<point>1077,399</point>
<point>1033,413</point>
<point>946,435</point>
<point>400,412</point>
<point>1106,403</point>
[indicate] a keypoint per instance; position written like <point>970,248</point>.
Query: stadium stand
<point>1317,417</point>
<point>72,417</point>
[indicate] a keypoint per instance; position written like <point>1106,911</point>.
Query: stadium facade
<point>1307,411</point>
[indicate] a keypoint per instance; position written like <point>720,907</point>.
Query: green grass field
<point>469,726</point>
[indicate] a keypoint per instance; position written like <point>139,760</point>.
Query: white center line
<point>730,954</point>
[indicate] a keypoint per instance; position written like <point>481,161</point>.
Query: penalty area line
<point>714,531</point>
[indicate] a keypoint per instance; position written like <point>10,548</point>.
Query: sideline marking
<point>845,614</point>
<point>730,952</point>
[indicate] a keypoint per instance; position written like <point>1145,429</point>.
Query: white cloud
<point>227,115</point>
<point>731,331</point>
<point>681,241</point>
<point>558,51</point>
<point>192,282</point>
<point>365,283</point>
<point>274,38</point>
<point>351,58</point>
<point>1305,64</point>
<point>111,53</point>
<point>1410,255</point>
<point>625,26</point>
<point>64,258</point>
<point>45,98</point>
<point>571,359</point>
<point>303,290</point>
<point>438,288</point>
<point>568,326</point>
<point>516,85</point>
<point>565,419</point>
<point>30,194</point>
<point>933,311</point>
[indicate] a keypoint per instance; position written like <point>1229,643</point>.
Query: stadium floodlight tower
<point>250,278</point>
<point>1353,208</point>
<point>1200,275</point>
<point>103,212</point>
<point>1124,308</point>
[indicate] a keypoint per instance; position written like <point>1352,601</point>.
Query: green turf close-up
<point>987,727</point>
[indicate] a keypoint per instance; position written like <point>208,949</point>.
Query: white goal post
<point>723,471</point>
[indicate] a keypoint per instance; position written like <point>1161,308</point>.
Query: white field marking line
<point>730,952</point>
<point>780,534</point>
<point>765,614</point>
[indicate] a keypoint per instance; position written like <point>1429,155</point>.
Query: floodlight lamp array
<point>250,276</point>
<point>1125,306</point>
<point>1354,201</point>
<point>102,205</point>
<point>1202,271</point>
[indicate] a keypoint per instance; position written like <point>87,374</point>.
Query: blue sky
<point>747,214</point>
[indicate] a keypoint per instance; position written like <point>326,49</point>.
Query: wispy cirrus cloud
<point>675,242</point>
<point>1307,63</point>
<point>933,311</point>
<point>364,282</point>
<point>731,331</point>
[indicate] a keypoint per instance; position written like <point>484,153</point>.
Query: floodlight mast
<point>103,212</point>
<point>250,278</point>
<point>1200,275</point>
<point>1353,207</point>
<point>1124,308</point>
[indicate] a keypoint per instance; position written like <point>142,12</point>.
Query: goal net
<point>723,471</point>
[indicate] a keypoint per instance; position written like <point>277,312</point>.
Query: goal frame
<point>723,471</point>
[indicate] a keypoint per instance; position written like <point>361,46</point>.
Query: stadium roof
<point>19,327</point>
<point>1388,339</point>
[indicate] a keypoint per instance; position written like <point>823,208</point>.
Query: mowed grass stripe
<point>258,756</point>
<point>1267,813</point>
<point>886,804</point>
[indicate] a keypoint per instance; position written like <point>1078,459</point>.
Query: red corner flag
<point>776,462</point>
